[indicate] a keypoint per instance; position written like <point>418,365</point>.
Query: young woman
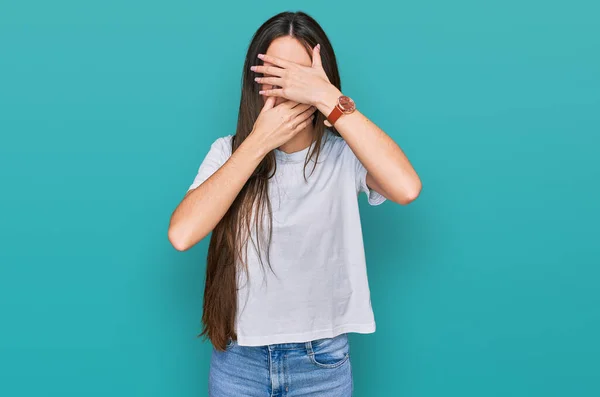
<point>286,278</point>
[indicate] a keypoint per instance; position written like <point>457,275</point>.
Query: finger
<point>303,124</point>
<point>316,57</point>
<point>302,117</point>
<point>275,61</point>
<point>301,108</point>
<point>287,104</point>
<point>268,104</point>
<point>278,81</point>
<point>271,70</point>
<point>306,114</point>
<point>268,70</point>
<point>273,92</point>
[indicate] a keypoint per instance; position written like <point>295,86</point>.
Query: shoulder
<point>222,145</point>
<point>336,145</point>
<point>223,141</point>
<point>338,148</point>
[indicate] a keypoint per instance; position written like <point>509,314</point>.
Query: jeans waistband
<point>294,345</point>
<point>290,346</point>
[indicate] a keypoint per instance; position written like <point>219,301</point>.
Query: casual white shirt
<point>319,288</point>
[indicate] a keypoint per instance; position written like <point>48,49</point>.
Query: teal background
<point>487,285</point>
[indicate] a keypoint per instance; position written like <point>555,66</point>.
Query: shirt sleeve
<point>373,197</point>
<point>217,155</point>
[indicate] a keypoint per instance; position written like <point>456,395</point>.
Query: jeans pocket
<point>330,352</point>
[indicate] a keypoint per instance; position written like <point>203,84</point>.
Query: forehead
<point>289,49</point>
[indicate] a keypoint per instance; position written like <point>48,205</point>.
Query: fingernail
<point>256,79</point>
<point>253,68</point>
<point>318,47</point>
<point>261,56</point>
<point>261,92</point>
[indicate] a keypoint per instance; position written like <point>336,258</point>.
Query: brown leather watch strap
<point>335,114</point>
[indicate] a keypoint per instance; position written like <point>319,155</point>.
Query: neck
<point>300,141</point>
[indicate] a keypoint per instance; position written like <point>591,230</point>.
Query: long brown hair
<point>229,238</point>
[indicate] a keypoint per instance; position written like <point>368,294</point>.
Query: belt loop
<point>308,345</point>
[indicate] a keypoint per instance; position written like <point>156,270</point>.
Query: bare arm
<point>389,171</point>
<point>202,208</point>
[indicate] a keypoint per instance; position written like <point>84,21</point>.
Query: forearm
<point>387,165</point>
<point>202,208</point>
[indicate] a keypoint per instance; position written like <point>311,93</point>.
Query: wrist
<point>255,149</point>
<point>328,99</point>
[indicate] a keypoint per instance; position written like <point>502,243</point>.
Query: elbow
<point>409,195</point>
<point>182,239</point>
<point>177,239</point>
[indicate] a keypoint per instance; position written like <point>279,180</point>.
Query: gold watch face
<point>346,104</point>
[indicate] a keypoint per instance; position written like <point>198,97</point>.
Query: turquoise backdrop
<point>487,285</point>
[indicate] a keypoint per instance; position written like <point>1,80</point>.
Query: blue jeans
<point>316,368</point>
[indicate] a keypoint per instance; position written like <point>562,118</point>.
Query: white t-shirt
<point>320,287</point>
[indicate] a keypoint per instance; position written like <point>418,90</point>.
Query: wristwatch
<point>345,105</point>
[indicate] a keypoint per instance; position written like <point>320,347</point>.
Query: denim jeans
<point>316,368</point>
